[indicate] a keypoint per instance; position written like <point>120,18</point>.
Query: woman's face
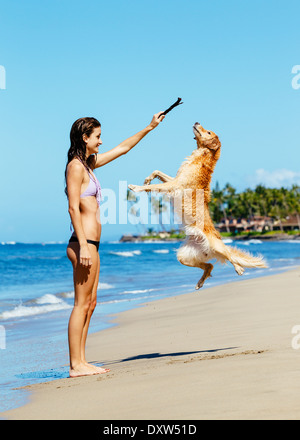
<point>93,142</point>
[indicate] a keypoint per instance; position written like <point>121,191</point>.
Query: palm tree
<point>278,205</point>
<point>261,195</point>
<point>217,205</point>
<point>231,200</point>
<point>132,199</point>
<point>293,202</point>
<point>158,206</point>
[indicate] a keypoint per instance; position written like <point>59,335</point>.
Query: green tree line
<point>276,203</point>
<point>226,203</point>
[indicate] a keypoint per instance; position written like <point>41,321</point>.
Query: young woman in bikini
<point>84,192</point>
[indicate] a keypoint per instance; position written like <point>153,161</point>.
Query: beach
<point>226,352</point>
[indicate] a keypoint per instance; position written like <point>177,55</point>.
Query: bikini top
<point>93,189</point>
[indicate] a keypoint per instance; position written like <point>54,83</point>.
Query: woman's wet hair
<point>83,126</point>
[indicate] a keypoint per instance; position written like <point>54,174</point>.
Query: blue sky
<point>121,61</point>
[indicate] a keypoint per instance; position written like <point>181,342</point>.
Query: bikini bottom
<point>95,243</point>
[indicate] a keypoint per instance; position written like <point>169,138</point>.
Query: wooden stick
<point>178,102</point>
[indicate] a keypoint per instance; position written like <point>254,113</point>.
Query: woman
<point>84,192</point>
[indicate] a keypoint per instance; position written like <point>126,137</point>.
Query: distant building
<point>290,223</point>
<point>256,223</point>
<point>259,224</point>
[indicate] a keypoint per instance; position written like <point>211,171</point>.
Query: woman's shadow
<point>162,355</point>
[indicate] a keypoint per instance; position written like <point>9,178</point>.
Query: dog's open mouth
<point>196,130</point>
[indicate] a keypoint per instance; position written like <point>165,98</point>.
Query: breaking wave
<point>126,253</point>
<point>45,304</point>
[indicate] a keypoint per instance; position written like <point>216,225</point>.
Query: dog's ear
<point>213,144</point>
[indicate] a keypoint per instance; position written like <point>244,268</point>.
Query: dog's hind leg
<point>239,269</point>
<point>222,253</point>
<point>207,267</point>
<point>224,256</point>
<point>192,262</point>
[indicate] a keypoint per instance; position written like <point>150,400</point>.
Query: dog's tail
<point>245,259</point>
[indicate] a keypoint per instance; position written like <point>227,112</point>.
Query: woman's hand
<point>156,120</point>
<point>84,256</point>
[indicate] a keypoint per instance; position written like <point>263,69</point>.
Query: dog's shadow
<point>163,355</point>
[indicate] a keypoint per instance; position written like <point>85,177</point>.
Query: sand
<point>225,352</point>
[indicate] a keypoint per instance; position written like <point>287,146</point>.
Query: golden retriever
<point>191,191</point>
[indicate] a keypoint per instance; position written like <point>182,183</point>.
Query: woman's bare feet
<point>85,369</point>
<point>98,370</point>
<point>102,370</point>
<point>81,370</point>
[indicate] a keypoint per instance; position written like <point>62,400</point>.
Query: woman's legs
<point>91,309</point>
<point>85,287</point>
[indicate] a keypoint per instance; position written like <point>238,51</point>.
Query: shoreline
<point>263,237</point>
<point>198,337</point>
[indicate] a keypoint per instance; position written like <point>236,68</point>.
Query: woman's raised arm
<point>128,144</point>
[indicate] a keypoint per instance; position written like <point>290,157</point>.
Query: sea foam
<point>126,253</point>
<point>22,311</point>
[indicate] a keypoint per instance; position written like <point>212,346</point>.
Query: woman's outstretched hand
<point>156,120</point>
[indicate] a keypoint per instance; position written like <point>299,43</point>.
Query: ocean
<point>36,298</point>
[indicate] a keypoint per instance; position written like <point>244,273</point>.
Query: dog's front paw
<point>134,188</point>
